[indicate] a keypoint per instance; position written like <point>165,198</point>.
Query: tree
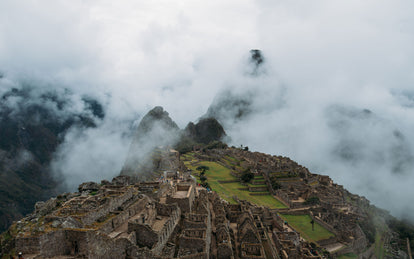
<point>276,185</point>
<point>203,178</point>
<point>312,200</point>
<point>313,223</point>
<point>206,185</point>
<point>247,176</point>
<point>203,168</point>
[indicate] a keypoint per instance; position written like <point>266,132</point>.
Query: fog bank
<point>335,91</point>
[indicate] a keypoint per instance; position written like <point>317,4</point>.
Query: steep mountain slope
<point>32,125</point>
<point>157,129</point>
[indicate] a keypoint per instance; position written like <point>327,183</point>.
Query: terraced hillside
<point>223,177</point>
<point>322,212</point>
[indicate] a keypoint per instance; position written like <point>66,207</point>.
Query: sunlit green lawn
<point>302,224</point>
<point>348,256</point>
<point>218,173</point>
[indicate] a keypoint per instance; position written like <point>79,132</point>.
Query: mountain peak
<point>157,117</point>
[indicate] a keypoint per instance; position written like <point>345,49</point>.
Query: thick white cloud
<point>180,54</point>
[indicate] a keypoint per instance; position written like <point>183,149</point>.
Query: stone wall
<point>28,245</point>
<point>183,203</point>
<point>360,242</point>
<point>145,235</point>
<point>186,203</point>
<point>165,209</point>
<point>155,240</point>
<point>252,251</point>
<point>105,209</point>
<point>258,189</point>
<point>224,251</point>
<point>259,194</point>
<point>103,247</point>
<point>324,224</point>
<point>228,181</point>
<point>123,216</point>
<point>201,255</point>
<point>193,243</point>
<point>192,224</point>
<point>327,241</point>
<point>65,242</point>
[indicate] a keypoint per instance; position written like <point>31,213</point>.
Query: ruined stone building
<point>170,216</point>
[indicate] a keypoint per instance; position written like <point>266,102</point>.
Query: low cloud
<point>326,64</point>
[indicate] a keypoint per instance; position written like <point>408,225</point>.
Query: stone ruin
<point>172,217</point>
<point>297,186</point>
<point>112,220</point>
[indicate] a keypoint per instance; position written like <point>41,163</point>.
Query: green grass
<point>379,246</point>
<point>256,185</point>
<point>302,224</point>
<point>218,172</point>
<point>348,256</point>
<point>230,158</point>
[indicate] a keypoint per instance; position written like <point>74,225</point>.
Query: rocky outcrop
<point>237,103</point>
<point>205,131</point>
<point>88,187</point>
<point>155,129</point>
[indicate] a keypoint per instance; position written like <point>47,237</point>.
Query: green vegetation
<point>215,144</point>
<point>185,145</point>
<point>379,246</point>
<point>312,200</point>
<point>283,175</point>
<point>202,169</point>
<point>276,185</point>
<point>247,176</point>
<point>369,229</point>
<point>217,172</point>
<point>404,229</point>
<point>302,224</point>
<point>348,256</point>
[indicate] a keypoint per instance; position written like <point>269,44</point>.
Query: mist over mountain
<point>157,129</point>
<point>331,87</point>
<point>33,124</point>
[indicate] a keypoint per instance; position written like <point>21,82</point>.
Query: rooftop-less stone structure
<point>173,217</point>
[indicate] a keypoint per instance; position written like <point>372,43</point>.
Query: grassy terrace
<point>302,224</point>
<point>218,172</point>
<point>348,256</point>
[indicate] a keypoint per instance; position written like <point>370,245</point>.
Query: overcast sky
<point>326,61</point>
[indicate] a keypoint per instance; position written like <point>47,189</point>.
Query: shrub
<point>276,185</point>
<point>312,200</point>
<point>247,176</point>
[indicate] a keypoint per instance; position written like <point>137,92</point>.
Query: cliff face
<point>205,131</point>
